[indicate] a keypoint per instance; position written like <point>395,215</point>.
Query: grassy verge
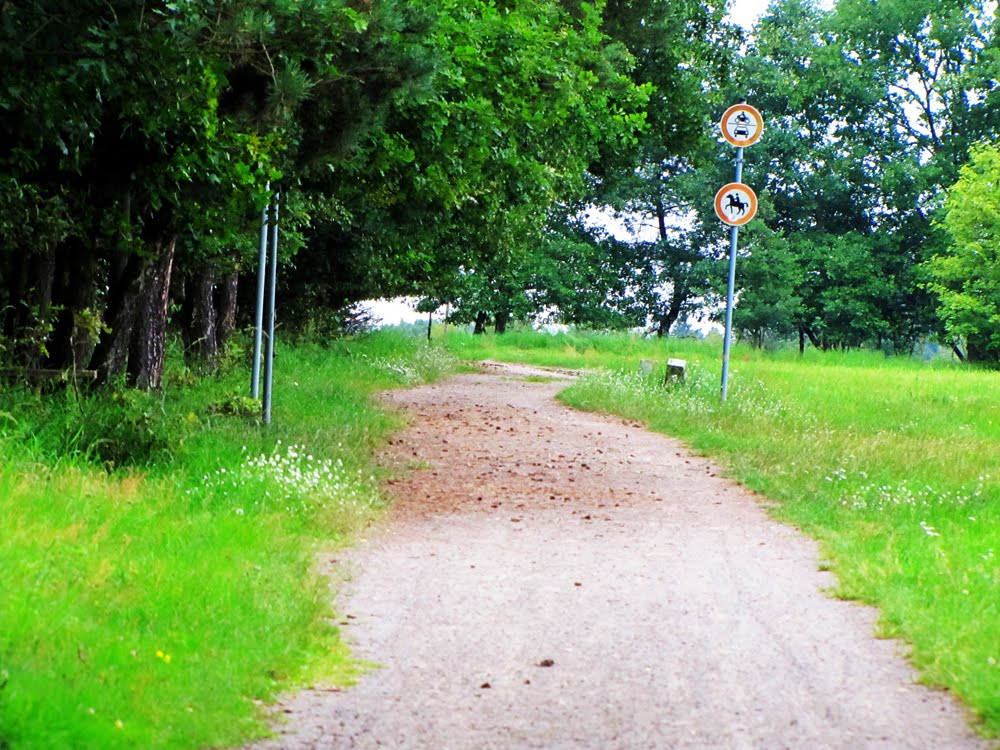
<point>576,350</point>
<point>157,550</point>
<point>892,464</point>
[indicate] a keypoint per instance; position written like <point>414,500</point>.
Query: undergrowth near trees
<point>892,463</point>
<point>157,550</point>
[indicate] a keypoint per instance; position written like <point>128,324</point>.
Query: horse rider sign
<point>735,204</point>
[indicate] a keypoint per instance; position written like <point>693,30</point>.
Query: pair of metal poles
<point>267,279</point>
<point>733,236</point>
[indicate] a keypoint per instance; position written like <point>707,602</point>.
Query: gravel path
<point>554,579</point>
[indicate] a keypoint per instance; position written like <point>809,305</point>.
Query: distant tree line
<point>871,232</point>
<point>417,144</point>
<point>451,149</point>
<point>872,109</point>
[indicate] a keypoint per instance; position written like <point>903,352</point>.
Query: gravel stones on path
<point>555,579</point>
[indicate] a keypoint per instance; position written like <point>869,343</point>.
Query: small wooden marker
<point>676,370</point>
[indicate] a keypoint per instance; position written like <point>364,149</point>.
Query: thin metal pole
<point>269,357</point>
<point>733,237</point>
<point>259,319</point>
<point>729,311</point>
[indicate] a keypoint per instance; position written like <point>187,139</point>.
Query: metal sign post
<point>267,280</point>
<point>259,319</point>
<point>272,288</point>
<point>736,205</point>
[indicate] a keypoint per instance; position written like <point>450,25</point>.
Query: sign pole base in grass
<point>733,238</point>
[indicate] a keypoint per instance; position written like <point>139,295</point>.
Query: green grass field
<point>158,551</point>
<point>893,464</point>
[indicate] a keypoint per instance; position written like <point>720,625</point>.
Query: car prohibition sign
<point>742,125</point>
<point>735,204</point>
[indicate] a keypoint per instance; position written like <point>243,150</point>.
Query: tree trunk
<point>202,331</point>
<point>661,218</point>
<point>480,328</point>
<point>672,312</point>
<point>75,292</point>
<point>228,296</point>
<point>812,337</point>
<point>147,348</point>
<point>665,321</point>
<point>16,290</point>
<point>138,300</point>
<point>111,355</point>
<point>663,326</point>
<point>34,311</point>
<point>958,351</point>
<point>500,324</point>
<point>802,342</point>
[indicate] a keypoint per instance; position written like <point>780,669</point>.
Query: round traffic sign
<point>742,125</point>
<point>735,204</point>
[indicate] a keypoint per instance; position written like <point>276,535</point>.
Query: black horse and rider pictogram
<point>736,203</point>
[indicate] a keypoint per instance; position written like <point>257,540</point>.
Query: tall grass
<point>157,552</point>
<point>893,464</point>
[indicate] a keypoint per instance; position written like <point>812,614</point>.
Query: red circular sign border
<point>742,220</point>
<point>745,108</point>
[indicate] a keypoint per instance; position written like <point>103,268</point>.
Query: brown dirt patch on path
<point>556,579</point>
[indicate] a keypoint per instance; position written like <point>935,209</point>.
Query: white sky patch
<point>634,229</point>
<point>394,312</point>
<point>746,12</point>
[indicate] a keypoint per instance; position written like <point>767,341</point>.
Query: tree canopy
<point>870,110</point>
<point>451,150</point>
<point>966,274</point>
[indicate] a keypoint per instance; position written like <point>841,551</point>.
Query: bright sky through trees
<point>746,12</point>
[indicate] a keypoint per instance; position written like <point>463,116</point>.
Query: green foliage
<point>869,109</point>
<point>571,275</point>
<point>237,405</point>
<point>159,606</point>
<point>113,430</point>
<point>684,53</point>
<point>939,61</point>
<point>517,103</point>
<point>966,276</point>
<point>575,348</point>
<point>129,125</point>
<point>433,147</point>
<point>589,281</point>
<point>770,304</point>
<point>130,430</point>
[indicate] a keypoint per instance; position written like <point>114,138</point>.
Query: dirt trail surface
<point>555,579</point>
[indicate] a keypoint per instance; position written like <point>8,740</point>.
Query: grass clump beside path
<point>893,464</point>
<point>157,550</point>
